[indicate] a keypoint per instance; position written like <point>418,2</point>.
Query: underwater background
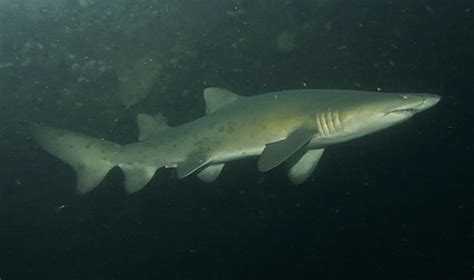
<point>398,204</point>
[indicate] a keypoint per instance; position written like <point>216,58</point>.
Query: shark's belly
<point>234,154</point>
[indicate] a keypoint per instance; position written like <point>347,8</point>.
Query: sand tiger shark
<point>292,126</point>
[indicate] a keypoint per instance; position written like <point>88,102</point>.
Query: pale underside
<point>288,127</point>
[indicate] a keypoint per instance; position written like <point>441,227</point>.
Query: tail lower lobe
<point>90,157</point>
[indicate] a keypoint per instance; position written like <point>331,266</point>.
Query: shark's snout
<point>414,103</point>
<point>429,100</point>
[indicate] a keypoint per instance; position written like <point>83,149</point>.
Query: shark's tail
<point>90,157</point>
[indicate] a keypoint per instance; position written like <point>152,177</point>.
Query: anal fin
<point>90,174</point>
<point>136,176</point>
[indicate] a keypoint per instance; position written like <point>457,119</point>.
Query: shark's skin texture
<point>293,126</point>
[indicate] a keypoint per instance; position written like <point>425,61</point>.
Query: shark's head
<point>367,113</point>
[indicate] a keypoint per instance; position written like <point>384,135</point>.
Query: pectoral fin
<point>278,152</point>
<point>303,165</point>
<point>192,163</point>
<point>210,173</point>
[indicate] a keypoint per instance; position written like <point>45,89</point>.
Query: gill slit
<point>337,120</point>
<point>325,124</point>
<point>330,121</point>
<point>320,127</point>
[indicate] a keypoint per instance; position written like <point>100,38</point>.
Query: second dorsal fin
<point>217,98</point>
<point>149,125</point>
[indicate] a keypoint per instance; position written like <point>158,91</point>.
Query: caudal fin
<point>90,157</point>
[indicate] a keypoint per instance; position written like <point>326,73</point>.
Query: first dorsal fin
<point>148,125</point>
<point>217,98</point>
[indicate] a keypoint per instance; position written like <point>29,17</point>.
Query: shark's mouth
<point>403,112</point>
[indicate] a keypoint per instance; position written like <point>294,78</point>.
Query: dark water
<point>394,205</point>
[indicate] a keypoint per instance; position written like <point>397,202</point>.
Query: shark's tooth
<point>277,152</point>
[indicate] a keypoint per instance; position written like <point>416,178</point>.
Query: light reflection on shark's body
<point>293,126</point>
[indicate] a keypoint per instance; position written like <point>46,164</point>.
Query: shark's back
<point>291,126</point>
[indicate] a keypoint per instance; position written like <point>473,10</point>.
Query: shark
<point>291,126</point>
